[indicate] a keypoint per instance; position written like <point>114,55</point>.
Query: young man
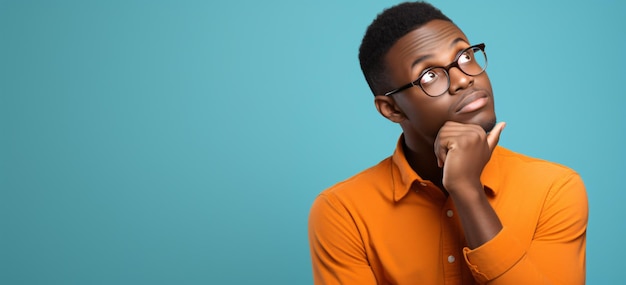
<point>449,206</point>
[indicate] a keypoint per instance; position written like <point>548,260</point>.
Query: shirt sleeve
<point>556,255</point>
<point>337,251</point>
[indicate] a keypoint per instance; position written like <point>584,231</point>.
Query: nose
<point>459,81</point>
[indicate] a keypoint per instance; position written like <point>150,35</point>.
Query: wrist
<point>464,187</point>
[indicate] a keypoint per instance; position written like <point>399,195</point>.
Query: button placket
<point>451,242</point>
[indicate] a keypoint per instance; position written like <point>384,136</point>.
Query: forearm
<point>551,251</point>
<point>507,260</point>
<point>478,218</point>
<point>526,272</point>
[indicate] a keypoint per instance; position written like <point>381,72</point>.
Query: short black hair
<point>388,27</point>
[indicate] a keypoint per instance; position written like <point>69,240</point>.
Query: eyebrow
<point>422,58</point>
<point>457,40</point>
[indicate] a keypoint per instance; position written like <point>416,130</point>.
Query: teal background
<point>183,142</point>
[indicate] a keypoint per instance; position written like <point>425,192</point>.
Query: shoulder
<point>361,186</point>
<point>364,179</point>
<point>530,175</point>
<point>550,192</point>
<point>511,161</point>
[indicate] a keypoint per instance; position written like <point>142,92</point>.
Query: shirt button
<point>449,213</point>
<point>451,259</point>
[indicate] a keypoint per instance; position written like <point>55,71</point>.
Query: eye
<point>429,77</point>
<point>466,57</point>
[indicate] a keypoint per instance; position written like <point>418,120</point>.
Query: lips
<point>472,102</point>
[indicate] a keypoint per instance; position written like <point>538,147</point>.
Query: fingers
<point>454,134</point>
<point>445,140</point>
<point>441,153</point>
<point>494,136</point>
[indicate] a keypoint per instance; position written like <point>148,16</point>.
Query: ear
<point>387,107</point>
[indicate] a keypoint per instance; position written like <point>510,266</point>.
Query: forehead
<point>434,39</point>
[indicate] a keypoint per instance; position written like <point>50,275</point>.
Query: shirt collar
<point>403,176</point>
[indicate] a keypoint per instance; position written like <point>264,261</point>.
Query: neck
<point>420,155</point>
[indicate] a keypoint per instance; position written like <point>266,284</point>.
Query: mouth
<point>472,102</point>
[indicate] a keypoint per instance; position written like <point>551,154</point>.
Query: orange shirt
<point>386,225</point>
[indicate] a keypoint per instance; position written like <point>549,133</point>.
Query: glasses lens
<point>473,61</point>
<point>434,82</point>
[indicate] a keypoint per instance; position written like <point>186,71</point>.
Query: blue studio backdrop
<point>183,142</point>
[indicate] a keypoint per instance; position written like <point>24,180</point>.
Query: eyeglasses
<point>435,81</point>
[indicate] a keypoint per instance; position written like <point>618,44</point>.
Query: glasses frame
<point>446,69</point>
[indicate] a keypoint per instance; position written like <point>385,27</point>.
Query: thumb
<point>494,136</point>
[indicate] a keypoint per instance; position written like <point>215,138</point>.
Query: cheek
<point>485,82</point>
<point>427,115</point>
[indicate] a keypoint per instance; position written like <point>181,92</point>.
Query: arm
<point>556,255</point>
<point>337,252</point>
<point>463,150</point>
<point>557,252</point>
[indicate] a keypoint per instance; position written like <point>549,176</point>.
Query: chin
<point>486,120</point>
<point>488,126</point>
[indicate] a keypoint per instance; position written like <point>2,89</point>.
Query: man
<point>449,206</point>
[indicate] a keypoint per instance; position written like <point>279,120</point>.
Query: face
<point>469,99</point>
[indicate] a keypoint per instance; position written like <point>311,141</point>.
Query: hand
<point>463,150</point>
